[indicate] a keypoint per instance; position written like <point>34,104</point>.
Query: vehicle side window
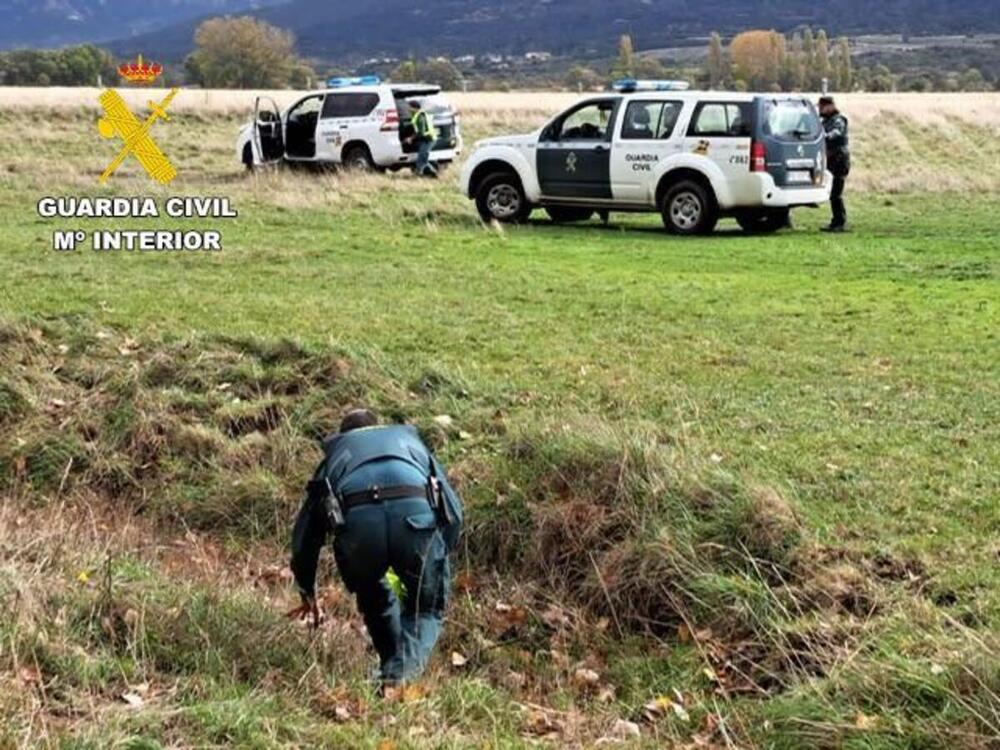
<point>591,122</point>
<point>721,120</point>
<point>650,120</point>
<point>305,108</point>
<point>349,105</point>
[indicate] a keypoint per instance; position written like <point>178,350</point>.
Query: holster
<point>435,496</point>
<point>321,490</point>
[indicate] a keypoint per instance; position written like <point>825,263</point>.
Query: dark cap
<point>825,100</point>
<point>358,418</point>
<point>414,103</point>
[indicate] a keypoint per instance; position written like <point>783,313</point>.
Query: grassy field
<point>727,492</point>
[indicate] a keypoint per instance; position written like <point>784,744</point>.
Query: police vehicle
<point>655,146</point>
<point>360,123</point>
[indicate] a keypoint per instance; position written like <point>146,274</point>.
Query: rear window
<point>721,120</point>
<point>349,105</point>
<point>791,119</point>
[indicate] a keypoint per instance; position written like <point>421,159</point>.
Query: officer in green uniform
<point>838,159</point>
<point>388,504</point>
<point>425,135</point>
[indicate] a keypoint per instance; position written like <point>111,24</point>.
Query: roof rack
<point>628,85</point>
<point>342,82</point>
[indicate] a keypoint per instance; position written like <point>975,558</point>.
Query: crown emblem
<point>139,71</point>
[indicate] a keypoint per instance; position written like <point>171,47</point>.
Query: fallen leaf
<point>458,660</point>
<point>133,699</point>
<point>83,576</point>
<point>543,725</point>
<point>864,721</point>
<point>586,677</point>
<point>386,745</point>
<point>464,582</point>
<point>29,675</point>
<point>625,730</point>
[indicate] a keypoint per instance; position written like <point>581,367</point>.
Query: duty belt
<point>381,494</point>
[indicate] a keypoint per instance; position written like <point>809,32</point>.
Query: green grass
<point>857,375</point>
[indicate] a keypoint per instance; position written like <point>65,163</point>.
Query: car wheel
<point>248,157</point>
<point>567,214</point>
<point>687,208</point>
<point>762,222</point>
<point>357,159</point>
<point>501,198</point>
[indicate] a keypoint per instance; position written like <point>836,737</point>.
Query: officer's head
<point>358,418</point>
<point>414,103</point>
<point>826,105</point>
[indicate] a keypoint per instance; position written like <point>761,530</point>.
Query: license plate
<point>800,177</point>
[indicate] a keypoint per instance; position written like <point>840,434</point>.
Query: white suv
<point>359,123</point>
<point>693,156</point>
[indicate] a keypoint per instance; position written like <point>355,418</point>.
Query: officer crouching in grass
<point>425,135</point>
<point>388,504</point>
<point>838,159</point>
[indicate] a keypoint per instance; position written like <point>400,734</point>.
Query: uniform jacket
<point>838,144</point>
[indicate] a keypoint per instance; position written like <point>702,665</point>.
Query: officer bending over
<point>387,502</point>
<point>838,159</point>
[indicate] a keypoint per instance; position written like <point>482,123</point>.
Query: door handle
<point>600,149</point>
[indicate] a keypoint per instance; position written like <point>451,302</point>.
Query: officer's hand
<point>309,607</point>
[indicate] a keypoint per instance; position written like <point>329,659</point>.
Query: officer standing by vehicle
<point>425,135</point>
<point>838,159</point>
<point>388,504</point>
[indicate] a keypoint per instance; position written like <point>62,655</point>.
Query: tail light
<point>758,157</point>
<point>390,120</point>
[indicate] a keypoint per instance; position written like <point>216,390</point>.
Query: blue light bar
<point>341,82</point>
<point>628,85</point>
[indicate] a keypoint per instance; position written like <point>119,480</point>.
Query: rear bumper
<point>773,196</point>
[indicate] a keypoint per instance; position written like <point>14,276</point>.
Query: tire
<point>763,222</point>
<point>567,214</point>
<point>688,208</point>
<point>357,158</point>
<point>248,157</point>
<point>500,197</point>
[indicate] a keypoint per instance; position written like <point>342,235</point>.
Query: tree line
<point>768,61</point>
<point>82,65</point>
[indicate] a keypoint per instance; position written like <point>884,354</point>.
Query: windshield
<point>793,119</point>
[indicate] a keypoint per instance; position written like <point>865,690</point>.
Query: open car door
<point>268,134</point>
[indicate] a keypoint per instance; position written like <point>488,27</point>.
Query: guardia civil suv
<point>654,146</point>
<point>359,123</point>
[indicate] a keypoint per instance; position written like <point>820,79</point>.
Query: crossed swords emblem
<point>119,120</point>
<point>571,162</point>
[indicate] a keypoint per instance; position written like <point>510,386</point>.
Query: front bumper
<point>773,196</point>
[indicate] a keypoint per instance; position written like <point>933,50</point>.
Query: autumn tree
<point>757,58</point>
<point>241,52</point>
<point>717,68</point>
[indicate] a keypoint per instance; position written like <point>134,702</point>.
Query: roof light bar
<point>628,85</point>
<point>341,82</point>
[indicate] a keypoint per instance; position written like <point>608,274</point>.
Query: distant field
<point>737,491</point>
<point>901,141</point>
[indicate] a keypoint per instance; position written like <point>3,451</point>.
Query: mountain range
<point>53,23</point>
<point>341,30</point>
